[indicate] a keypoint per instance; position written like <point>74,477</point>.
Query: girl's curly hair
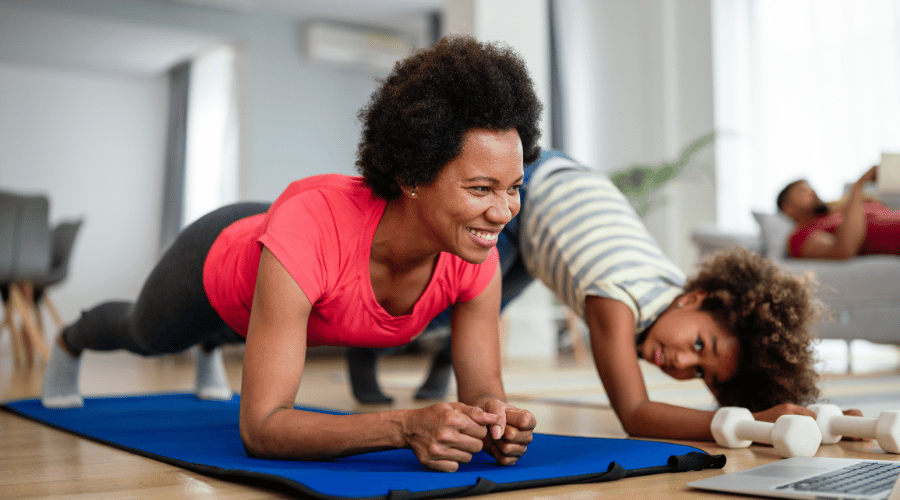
<point>771,312</point>
<point>414,123</point>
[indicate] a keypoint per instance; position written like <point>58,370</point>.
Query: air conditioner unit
<point>356,46</point>
<point>243,6</point>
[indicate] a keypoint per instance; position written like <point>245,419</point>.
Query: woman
<point>356,262</point>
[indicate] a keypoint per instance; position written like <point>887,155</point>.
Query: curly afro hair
<point>414,123</point>
<point>771,312</point>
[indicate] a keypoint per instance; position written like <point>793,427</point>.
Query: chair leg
<point>29,339</point>
<point>15,339</point>
<point>17,336</point>
<point>54,312</point>
<point>18,294</point>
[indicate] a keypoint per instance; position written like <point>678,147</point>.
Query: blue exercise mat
<point>202,436</point>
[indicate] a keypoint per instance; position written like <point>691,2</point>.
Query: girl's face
<point>686,342</point>
<point>474,195</point>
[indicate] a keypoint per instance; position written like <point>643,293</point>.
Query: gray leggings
<point>172,312</point>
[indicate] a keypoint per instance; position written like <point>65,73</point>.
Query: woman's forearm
<point>289,434</point>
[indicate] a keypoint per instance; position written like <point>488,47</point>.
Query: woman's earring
<point>412,194</point>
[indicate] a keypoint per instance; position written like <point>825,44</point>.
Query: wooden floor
<point>39,462</point>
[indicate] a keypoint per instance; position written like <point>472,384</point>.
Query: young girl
<point>741,323</point>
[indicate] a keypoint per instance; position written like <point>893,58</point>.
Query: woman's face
<point>474,195</point>
<point>686,342</point>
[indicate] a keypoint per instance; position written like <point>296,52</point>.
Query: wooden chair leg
<point>36,313</point>
<point>15,335</point>
<point>54,312</point>
<point>33,342</point>
<point>33,332</point>
<point>26,351</point>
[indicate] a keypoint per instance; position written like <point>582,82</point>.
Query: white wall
<point>523,25</point>
<point>93,139</point>
<point>301,115</point>
<point>639,83</point>
<point>94,144</point>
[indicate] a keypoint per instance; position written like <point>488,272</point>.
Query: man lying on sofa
<point>854,226</point>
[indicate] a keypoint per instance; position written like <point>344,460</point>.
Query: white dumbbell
<point>834,425</point>
<point>791,435</point>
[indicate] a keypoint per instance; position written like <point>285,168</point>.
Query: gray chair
<point>24,257</point>
<point>62,244</point>
<point>33,257</point>
<point>9,229</point>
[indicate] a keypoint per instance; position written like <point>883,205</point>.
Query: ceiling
<point>99,44</point>
<point>93,44</point>
<point>330,8</point>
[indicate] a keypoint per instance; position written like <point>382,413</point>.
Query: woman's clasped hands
<point>445,435</point>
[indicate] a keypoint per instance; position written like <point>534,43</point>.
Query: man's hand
<point>870,176</point>
<point>445,435</point>
<point>510,435</point>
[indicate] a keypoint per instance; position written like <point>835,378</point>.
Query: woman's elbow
<point>253,443</point>
<point>258,441</point>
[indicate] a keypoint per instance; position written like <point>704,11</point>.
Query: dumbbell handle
<point>754,430</point>
<point>858,427</point>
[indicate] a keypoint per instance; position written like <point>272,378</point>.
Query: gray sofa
<point>862,293</point>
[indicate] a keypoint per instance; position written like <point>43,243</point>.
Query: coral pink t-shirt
<point>321,230</point>
<point>882,230</point>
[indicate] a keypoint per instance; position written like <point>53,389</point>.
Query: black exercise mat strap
<point>696,461</point>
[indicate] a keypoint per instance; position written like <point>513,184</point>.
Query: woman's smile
<point>484,238</point>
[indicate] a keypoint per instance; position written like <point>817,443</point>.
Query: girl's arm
<point>611,326</point>
<point>475,347</point>
<point>442,436</point>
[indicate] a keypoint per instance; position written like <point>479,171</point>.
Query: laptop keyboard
<point>864,478</point>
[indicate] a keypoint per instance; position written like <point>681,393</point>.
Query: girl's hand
<point>774,412</point>
<point>509,437</point>
<point>445,435</point>
<point>853,413</point>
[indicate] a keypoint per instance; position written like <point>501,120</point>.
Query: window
<point>804,89</point>
<point>211,159</point>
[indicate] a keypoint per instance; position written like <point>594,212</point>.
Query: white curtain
<point>212,156</point>
<point>579,79</point>
<point>804,89</point>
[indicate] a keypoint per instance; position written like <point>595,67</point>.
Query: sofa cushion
<point>774,230</point>
<point>869,280</point>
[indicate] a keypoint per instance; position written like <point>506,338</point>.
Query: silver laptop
<point>812,477</point>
